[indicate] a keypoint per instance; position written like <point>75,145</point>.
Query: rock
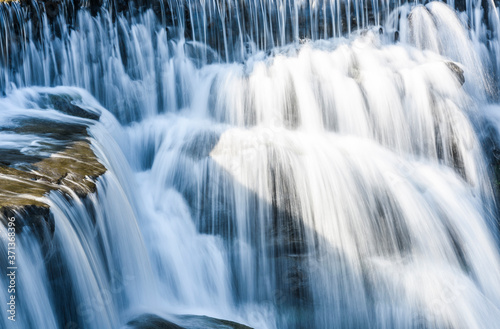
<point>457,70</point>
<point>58,131</point>
<point>152,321</point>
<point>63,161</point>
<point>37,217</point>
<point>65,103</point>
<point>52,8</point>
<point>460,5</point>
<point>491,147</point>
<point>205,322</point>
<point>74,169</point>
<point>95,6</point>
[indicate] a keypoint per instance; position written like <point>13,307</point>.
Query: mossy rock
<point>63,160</point>
<point>75,167</point>
<point>73,170</point>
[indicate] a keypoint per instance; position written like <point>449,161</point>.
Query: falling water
<point>277,163</point>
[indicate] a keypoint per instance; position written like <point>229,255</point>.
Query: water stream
<point>277,163</point>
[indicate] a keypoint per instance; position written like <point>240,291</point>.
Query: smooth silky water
<point>281,164</point>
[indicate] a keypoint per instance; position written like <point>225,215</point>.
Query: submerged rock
<point>457,70</point>
<point>152,321</point>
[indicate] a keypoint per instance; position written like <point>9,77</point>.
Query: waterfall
<point>276,163</point>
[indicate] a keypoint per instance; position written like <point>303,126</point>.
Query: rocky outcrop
<point>65,162</point>
<point>72,170</point>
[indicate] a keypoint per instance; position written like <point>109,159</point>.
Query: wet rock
<point>35,216</point>
<point>62,160</point>
<point>52,8</point>
<point>72,170</point>
<point>200,145</point>
<point>60,131</point>
<point>65,104</point>
<point>491,148</point>
<point>461,5</point>
<point>151,321</point>
<point>75,167</point>
<point>95,6</point>
<point>293,281</point>
<point>120,5</point>
<point>457,70</point>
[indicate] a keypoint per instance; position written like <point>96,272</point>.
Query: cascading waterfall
<point>281,164</point>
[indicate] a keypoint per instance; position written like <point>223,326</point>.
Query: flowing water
<point>278,163</point>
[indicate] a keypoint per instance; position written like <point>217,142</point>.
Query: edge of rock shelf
<point>72,170</point>
<point>67,164</point>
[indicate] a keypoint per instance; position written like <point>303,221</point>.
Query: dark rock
<point>65,104</point>
<point>37,217</point>
<point>120,5</point>
<point>151,321</point>
<point>460,5</point>
<point>200,145</point>
<point>11,157</point>
<point>95,6</point>
<point>205,322</point>
<point>491,147</point>
<point>52,8</point>
<point>457,70</point>
<point>60,131</point>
